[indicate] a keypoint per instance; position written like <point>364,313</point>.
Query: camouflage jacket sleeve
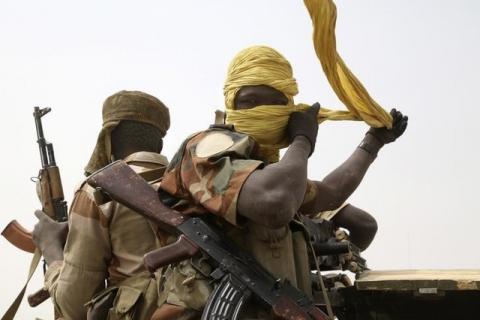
<point>84,268</point>
<point>208,172</point>
<point>310,194</point>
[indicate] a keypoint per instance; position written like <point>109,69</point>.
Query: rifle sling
<point>331,316</point>
<point>12,310</point>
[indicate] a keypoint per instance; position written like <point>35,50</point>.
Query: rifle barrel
<point>38,114</point>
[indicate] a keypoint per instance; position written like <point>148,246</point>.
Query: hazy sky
<point>418,56</point>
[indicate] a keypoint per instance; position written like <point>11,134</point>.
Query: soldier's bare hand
<point>49,236</point>
<point>399,125</point>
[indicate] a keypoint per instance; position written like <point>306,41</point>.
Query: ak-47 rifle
<point>51,197</point>
<point>237,275</point>
<point>333,249</point>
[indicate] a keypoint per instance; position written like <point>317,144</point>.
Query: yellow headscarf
<point>261,65</point>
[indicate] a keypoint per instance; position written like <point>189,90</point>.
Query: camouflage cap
<point>126,105</point>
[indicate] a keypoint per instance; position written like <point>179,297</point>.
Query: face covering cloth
<point>262,65</point>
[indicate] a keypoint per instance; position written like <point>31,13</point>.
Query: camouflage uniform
<point>207,174</point>
<point>106,241</point>
<point>105,246</point>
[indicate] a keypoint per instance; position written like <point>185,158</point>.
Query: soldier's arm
<point>337,186</point>
<point>271,196</point>
<point>86,253</point>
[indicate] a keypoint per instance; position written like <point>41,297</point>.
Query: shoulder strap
<point>223,126</point>
<point>12,310</point>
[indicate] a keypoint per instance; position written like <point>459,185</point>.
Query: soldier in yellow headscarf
<point>259,98</point>
<point>233,171</point>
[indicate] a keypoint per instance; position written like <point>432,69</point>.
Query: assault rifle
<point>333,248</point>
<point>237,275</point>
<point>51,197</point>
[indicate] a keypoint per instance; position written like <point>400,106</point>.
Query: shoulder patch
<point>212,144</point>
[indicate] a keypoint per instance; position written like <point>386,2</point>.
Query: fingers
<point>393,112</point>
<point>400,124</point>
<point>35,232</point>
<point>399,121</point>
<point>397,116</point>
<point>404,124</point>
<point>42,216</point>
<point>314,109</point>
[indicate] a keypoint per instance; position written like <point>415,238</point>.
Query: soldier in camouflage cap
<point>100,270</point>
<point>126,105</point>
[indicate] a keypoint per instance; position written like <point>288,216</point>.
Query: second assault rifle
<point>50,192</point>
<point>237,275</point>
<point>333,249</point>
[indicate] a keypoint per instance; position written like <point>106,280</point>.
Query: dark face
<point>253,96</point>
<point>132,136</point>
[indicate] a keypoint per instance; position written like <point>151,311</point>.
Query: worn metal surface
<point>422,281</point>
<point>412,295</point>
<point>122,184</point>
<point>408,305</point>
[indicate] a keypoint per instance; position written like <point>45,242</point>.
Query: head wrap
<point>126,105</point>
<point>261,65</point>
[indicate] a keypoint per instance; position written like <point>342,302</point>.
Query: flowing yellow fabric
<point>262,65</point>
<point>347,87</point>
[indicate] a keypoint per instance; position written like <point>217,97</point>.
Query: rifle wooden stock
<point>122,184</point>
<point>19,236</point>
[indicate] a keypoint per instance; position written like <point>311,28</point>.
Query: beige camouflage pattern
<point>310,196</point>
<point>208,178</point>
<point>330,214</point>
<point>105,245</point>
<point>185,287</point>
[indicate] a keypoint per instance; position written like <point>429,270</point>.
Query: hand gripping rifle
<point>236,272</point>
<point>51,194</point>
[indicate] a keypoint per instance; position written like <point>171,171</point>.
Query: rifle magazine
<point>227,300</point>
